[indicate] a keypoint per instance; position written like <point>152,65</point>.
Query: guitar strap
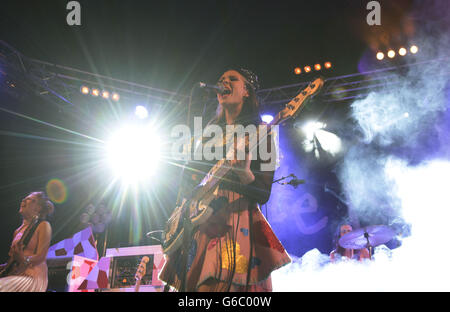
<point>26,239</point>
<point>30,233</point>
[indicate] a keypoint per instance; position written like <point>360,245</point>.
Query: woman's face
<point>29,206</point>
<point>235,90</point>
<point>346,229</point>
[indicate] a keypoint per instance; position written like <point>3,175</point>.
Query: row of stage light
<point>307,69</point>
<point>402,52</point>
<point>96,92</point>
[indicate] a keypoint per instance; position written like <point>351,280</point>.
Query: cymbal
<point>376,234</point>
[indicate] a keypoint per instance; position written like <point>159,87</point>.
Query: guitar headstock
<point>293,107</point>
<point>142,268</point>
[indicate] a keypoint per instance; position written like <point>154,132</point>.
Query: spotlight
<point>95,92</point>
<point>133,153</point>
<point>115,96</point>
<point>297,71</point>
<point>327,65</point>
<point>317,67</point>
<point>414,49</point>
<point>307,69</point>
<point>84,90</point>
<point>311,127</point>
<point>105,94</point>
<point>391,54</point>
<point>141,112</point>
<point>402,51</point>
<point>315,132</point>
<point>330,142</point>
<point>380,56</point>
<point>267,118</point>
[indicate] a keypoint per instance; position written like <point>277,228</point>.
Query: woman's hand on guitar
<point>17,252</point>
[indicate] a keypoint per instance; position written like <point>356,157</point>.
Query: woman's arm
<point>256,184</point>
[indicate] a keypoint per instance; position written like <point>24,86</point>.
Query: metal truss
<point>343,88</point>
<point>61,84</point>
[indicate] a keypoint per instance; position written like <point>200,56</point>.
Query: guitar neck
<point>137,286</point>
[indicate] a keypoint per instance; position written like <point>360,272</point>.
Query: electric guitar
<point>140,272</point>
<point>12,266</point>
<point>196,207</point>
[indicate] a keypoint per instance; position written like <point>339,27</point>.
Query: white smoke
<point>420,264</point>
<point>397,174</point>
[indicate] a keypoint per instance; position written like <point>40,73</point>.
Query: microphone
<point>216,88</point>
<point>296,182</point>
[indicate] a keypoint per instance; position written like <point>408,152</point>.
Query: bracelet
<point>27,261</point>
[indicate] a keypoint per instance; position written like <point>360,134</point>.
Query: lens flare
<point>56,191</point>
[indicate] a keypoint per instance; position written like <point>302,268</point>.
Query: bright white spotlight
<point>402,51</point>
<point>380,56</point>
<point>330,142</point>
<point>391,54</point>
<point>133,153</point>
<point>267,118</point>
<point>311,127</point>
<point>141,112</point>
<point>414,49</point>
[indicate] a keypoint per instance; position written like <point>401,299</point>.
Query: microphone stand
<point>187,225</point>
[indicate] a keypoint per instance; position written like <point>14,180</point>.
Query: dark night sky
<point>171,45</point>
<point>167,44</point>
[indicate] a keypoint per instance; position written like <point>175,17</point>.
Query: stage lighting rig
<point>391,54</point>
<point>133,153</point>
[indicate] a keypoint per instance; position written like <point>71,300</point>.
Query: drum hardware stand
<point>368,246</point>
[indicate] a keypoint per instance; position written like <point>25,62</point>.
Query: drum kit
<point>367,237</point>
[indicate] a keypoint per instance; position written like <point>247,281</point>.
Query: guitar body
<point>198,208</point>
<point>12,267</point>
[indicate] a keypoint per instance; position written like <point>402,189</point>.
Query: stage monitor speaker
<point>58,274</point>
